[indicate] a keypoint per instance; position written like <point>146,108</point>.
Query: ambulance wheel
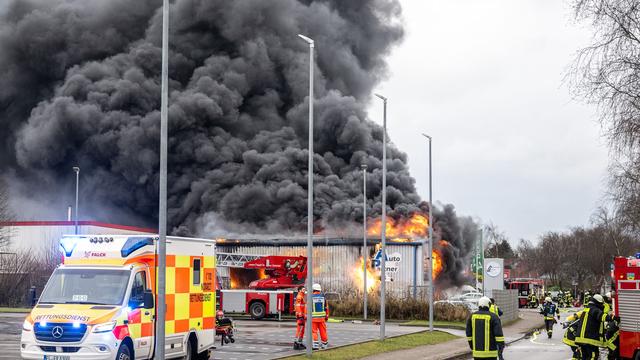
<point>124,353</point>
<point>189,354</point>
<point>257,310</point>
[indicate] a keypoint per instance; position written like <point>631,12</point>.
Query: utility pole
<point>309,325</point>
<point>162,214</point>
<point>383,232</point>
<point>364,236</point>
<point>76,169</point>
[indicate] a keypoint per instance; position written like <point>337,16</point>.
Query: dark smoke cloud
<point>79,85</point>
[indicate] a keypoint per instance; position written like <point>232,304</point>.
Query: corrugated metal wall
<point>334,265</point>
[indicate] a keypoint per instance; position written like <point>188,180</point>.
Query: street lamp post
<point>162,213</point>
<point>77,171</point>
<point>383,225</point>
<point>309,324</point>
<point>430,247</point>
<point>364,236</point>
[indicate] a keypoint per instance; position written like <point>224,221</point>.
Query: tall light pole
<point>364,235</point>
<point>77,171</point>
<point>309,325</point>
<point>430,247</point>
<point>162,214</point>
<point>383,225</point>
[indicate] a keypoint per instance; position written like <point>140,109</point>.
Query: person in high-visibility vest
<point>300,308</point>
<point>549,310</point>
<point>320,316</point>
<point>484,332</point>
<point>573,326</point>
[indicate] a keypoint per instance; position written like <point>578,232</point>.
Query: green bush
<point>396,308</point>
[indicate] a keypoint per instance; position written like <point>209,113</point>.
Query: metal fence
<point>507,301</point>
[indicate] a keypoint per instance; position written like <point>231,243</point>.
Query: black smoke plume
<point>79,85</point>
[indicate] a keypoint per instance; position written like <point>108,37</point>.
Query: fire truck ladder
<point>234,260</point>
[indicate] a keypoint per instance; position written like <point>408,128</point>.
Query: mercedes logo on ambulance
<point>56,332</point>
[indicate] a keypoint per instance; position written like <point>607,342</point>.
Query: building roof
<point>72,223</point>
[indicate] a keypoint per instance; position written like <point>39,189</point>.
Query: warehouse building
<point>338,261</point>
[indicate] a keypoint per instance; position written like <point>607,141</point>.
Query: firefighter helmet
<point>547,299</point>
<point>598,298</point>
<point>484,302</point>
<point>317,287</point>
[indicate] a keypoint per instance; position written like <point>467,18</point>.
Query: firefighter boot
<point>296,345</point>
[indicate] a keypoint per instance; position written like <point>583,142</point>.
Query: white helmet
<point>547,299</point>
<point>598,298</point>
<point>608,295</point>
<point>317,287</point>
<point>484,302</point>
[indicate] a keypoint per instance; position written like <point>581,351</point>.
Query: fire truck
<point>626,280</point>
<point>525,288</point>
<point>100,303</point>
<point>272,296</point>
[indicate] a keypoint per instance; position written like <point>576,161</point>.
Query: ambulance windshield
<point>86,286</point>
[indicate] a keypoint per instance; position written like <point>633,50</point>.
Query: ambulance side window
<point>196,271</point>
<point>137,289</point>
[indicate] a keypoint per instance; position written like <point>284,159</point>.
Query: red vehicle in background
<point>273,295</point>
<point>626,298</point>
<point>526,287</point>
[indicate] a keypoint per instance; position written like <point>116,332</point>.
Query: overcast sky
<point>485,79</point>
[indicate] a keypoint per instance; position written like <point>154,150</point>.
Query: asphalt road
<point>262,340</point>
<point>539,347</point>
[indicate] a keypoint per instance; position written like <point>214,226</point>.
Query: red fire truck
<point>525,288</point>
<point>272,296</point>
<point>626,279</point>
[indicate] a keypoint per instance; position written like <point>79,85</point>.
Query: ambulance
<point>100,303</point>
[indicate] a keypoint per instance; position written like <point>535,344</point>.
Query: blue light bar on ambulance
<point>637,255</point>
<point>135,243</point>
<point>68,244</point>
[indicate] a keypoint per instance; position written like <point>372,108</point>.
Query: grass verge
<point>14,310</point>
<point>441,324</point>
<point>360,351</point>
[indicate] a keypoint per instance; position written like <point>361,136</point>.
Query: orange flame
<point>416,226</point>
<point>436,264</point>
<point>357,275</point>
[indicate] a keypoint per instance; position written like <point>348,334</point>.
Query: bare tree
<point>607,73</point>
<point>5,215</point>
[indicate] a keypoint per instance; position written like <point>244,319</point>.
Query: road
<point>262,340</point>
<point>539,347</point>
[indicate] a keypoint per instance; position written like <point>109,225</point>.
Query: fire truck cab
<point>100,303</point>
<point>626,278</point>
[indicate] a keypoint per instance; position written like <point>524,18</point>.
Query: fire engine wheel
<point>124,353</point>
<point>257,310</point>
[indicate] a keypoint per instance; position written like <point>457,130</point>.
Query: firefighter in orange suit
<point>320,316</point>
<point>301,318</point>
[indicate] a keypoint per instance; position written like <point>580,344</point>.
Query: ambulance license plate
<point>57,357</point>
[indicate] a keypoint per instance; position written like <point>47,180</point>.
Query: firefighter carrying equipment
<point>572,325</point>
<point>320,315</point>
<point>484,333</point>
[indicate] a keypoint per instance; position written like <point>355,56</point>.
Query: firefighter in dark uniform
<point>590,336</point>
<point>549,310</point>
<point>572,326</point>
<point>484,332</point>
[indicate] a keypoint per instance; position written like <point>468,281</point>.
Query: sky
<point>486,79</point>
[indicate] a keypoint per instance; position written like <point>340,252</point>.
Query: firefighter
<point>607,303</point>
<point>612,338</point>
<point>320,316</point>
<point>484,332</point>
<point>586,299</point>
<point>549,310</point>
<point>572,325</point>
<point>590,336</point>
<point>533,301</point>
<point>494,308</point>
<point>300,307</point>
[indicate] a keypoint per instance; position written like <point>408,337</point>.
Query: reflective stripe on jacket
<point>549,310</point>
<point>484,333</point>
<point>319,306</point>
<point>591,327</point>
